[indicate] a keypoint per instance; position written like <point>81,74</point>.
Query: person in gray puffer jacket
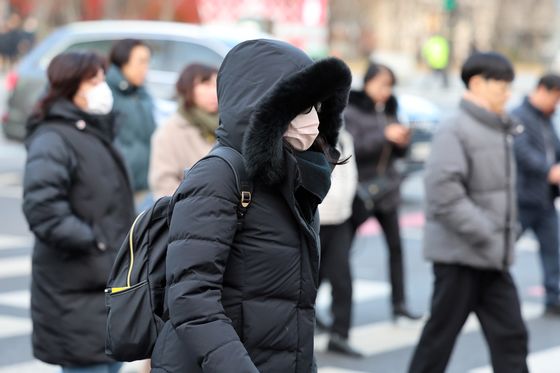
<point>471,224</point>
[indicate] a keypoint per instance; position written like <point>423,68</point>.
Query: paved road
<point>388,345</point>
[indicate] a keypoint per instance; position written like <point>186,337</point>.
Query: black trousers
<point>389,222</point>
<point>544,223</point>
<point>492,296</point>
<point>336,241</point>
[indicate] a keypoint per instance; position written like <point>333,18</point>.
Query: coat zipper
<point>508,138</point>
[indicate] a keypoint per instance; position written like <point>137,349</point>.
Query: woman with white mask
<point>78,203</point>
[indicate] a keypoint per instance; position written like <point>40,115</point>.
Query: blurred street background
<point>388,31</point>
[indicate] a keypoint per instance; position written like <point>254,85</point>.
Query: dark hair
<point>192,74</point>
<point>322,146</point>
<point>490,65</point>
<point>65,73</point>
<point>550,81</point>
<point>375,68</point>
<point>121,50</point>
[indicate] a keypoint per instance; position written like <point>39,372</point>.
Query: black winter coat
<point>533,163</point>
<point>367,126</point>
<point>78,203</point>
<point>244,301</point>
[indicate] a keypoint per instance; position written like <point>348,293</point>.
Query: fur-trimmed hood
<point>262,86</point>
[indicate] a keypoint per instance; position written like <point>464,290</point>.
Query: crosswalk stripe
<point>14,326</point>
<point>11,192</point>
<point>15,266</point>
<point>14,242</point>
<point>363,337</point>
<point>542,362</point>
<point>19,299</point>
<point>10,178</point>
<point>367,338</point>
<point>527,243</point>
<point>30,367</point>
<point>363,290</point>
<point>36,366</point>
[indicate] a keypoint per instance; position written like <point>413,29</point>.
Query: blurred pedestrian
<point>436,53</point>
<point>78,203</point>
<point>187,135</point>
<point>10,40</point>
<point>537,152</point>
<point>379,140</point>
<point>470,228</point>
<point>241,296</point>
<point>130,60</point>
<point>337,234</point>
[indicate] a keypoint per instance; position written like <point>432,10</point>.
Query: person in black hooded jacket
<point>379,140</point>
<point>243,300</point>
<point>78,203</point>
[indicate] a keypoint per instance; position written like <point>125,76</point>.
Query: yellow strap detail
<point>131,245</point>
<point>118,290</point>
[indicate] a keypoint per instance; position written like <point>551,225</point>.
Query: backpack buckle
<point>245,199</point>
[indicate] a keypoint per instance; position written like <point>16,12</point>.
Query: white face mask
<point>99,99</point>
<point>303,130</point>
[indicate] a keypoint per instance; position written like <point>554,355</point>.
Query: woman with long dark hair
<point>187,135</point>
<point>379,140</point>
<point>78,203</point>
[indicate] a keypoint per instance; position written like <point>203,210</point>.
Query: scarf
<point>315,173</point>
<point>204,121</point>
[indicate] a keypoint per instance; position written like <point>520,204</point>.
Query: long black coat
<point>244,302</point>
<point>77,201</point>
<point>367,127</point>
<point>533,189</point>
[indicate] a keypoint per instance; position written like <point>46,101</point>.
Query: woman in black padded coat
<point>78,203</point>
<point>243,300</point>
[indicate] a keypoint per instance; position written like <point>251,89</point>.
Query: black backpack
<point>135,291</point>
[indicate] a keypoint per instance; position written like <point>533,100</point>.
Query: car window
<point>185,53</point>
<point>100,46</point>
<point>168,59</point>
<point>160,50</point>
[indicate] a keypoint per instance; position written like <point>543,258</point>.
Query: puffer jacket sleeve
<point>202,229</point>
<point>46,204</point>
<point>446,195</point>
<point>530,160</point>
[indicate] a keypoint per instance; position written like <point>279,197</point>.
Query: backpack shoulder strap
<point>244,184</point>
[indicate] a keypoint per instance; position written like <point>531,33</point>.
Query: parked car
<point>173,45</point>
<point>423,117</point>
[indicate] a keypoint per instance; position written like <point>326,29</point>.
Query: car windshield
<point>169,57</point>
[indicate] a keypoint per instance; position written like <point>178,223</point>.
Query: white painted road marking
<point>14,326</point>
<point>14,242</point>
<point>546,361</point>
<point>15,266</point>
<point>19,299</point>
<point>381,337</point>
<point>363,290</point>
